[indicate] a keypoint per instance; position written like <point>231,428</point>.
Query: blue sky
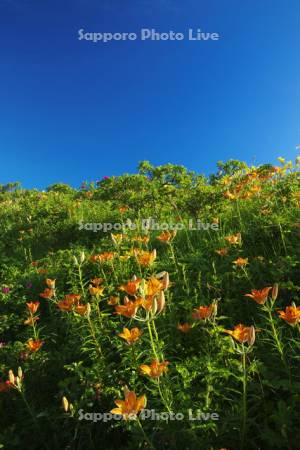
<point>75,110</point>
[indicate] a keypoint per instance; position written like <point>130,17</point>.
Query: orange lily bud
<point>20,373</point>
<point>11,377</point>
<point>65,404</point>
<point>161,302</point>
<point>275,291</point>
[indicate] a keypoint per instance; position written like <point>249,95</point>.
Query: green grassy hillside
<point>195,317</point>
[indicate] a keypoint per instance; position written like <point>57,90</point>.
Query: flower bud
<point>20,373</point>
<point>166,280</point>
<point>11,377</point>
<point>65,404</point>
<point>88,309</point>
<point>161,301</point>
<point>215,307</point>
<point>275,291</point>
<point>50,283</point>
<point>251,338</point>
<point>82,257</point>
<point>154,307</point>
<point>143,287</point>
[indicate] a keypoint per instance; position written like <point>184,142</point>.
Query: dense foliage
<point>202,323</point>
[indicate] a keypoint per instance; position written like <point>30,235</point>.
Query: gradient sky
<point>73,110</point>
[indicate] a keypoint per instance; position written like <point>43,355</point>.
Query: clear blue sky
<point>74,110</point>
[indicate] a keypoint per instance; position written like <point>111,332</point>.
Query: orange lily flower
<point>146,302</point>
<point>34,346</point>
<point>106,256</point>
<point>142,239</point>
<point>113,300</point>
<point>204,312</point>
<point>131,336</point>
<point>68,302</point>
<point>50,283</point>
<point>42,271</point>
<point>156,369</point>
<point>31,320</point>
<point>166,236</point>
<point>261,296</point>
<point>123,209</point>
<point>97,281</point>
<point>33,306</point>
<point>242,334</point>
<point>184,327</point>
<point>73,297</point>
<point>145,258</point>
<point>153,286</point>
<point>234,239</point>
<point>131,287</point>
<point>65,305</point>
<point>96,291</point>
<point>291,314</point>
<point>131,406</point>
<point>81,309</point>
<point>241,262</point>
<point>48,293</point>
<point>222,251</point>
<point>129,309</point>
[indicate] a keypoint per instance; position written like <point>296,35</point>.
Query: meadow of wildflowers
<point>136,338</point>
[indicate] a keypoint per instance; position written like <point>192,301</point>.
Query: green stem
<point>35,334</point>
<point>174,257</point>
<point>278,344</point>
<point>165,402</point>
<point>157,338</point>
<point>144,434</point>
<point>33,419</point>
<point>244,401</point>
<point>133,355</point>
<point>81,280</point>
<point>97,345</point>
<point>275,335</point>
<point>152,341</point>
